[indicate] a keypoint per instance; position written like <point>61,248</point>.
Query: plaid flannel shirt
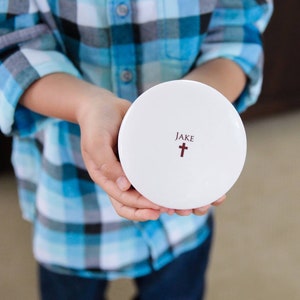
<point>126,47</point>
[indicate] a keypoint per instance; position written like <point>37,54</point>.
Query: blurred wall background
<point>281,87</point>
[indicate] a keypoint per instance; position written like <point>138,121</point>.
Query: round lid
<point>182,144</point>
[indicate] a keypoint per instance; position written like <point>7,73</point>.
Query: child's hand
<point>100,120</point>
<point>197,211</point>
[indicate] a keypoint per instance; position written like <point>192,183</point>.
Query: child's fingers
<point>219,201</point>
<point>135,214</point>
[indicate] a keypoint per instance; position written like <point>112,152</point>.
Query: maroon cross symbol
<point>183,147</point>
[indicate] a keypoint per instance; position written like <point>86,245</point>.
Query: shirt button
<point>126,76</point>
<point>122,10</point>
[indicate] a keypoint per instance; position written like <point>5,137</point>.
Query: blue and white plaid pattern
<point>126,47</point>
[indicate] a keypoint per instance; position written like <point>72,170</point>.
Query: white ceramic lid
<point>182,144</point>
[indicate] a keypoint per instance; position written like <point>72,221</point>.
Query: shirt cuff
<point>253,68</point>
<point>21,70</point>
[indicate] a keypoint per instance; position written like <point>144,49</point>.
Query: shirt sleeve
<point>235,33</point>
<point>29,50</point>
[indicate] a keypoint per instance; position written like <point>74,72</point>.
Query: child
<point>69,71</point>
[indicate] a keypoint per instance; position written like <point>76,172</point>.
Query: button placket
<point>123,50</point>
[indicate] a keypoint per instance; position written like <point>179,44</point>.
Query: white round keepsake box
<point>182,144</point>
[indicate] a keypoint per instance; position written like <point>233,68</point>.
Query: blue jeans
<point>182,279</point>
